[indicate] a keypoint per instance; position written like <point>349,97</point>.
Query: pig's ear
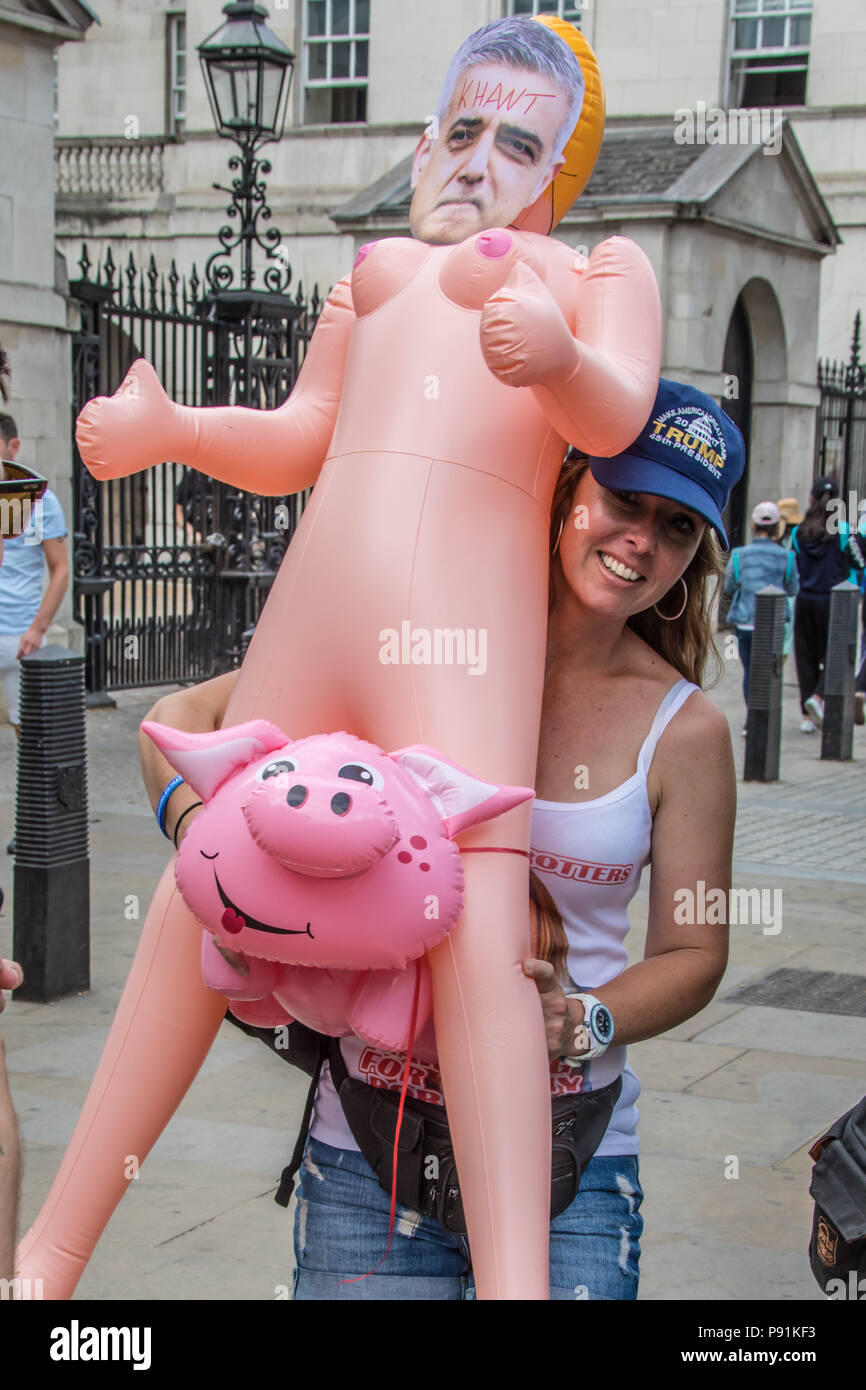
<point>462,800</point>
<point>206,760</point>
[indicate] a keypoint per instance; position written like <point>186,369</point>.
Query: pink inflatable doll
<point>438,395</point>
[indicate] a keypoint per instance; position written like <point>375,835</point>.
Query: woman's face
<point>622,551</point>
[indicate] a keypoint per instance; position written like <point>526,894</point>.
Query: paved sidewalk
<point>731,1100</point>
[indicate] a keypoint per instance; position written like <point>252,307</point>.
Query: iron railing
<point>171,569</point>
<point>840,438</point>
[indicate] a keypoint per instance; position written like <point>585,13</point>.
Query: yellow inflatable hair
<point>584,143</point>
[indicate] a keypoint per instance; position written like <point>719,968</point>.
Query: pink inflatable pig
<point>330,866</point>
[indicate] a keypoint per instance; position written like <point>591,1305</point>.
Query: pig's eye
<point>360,772</point>
<point>277,768</point>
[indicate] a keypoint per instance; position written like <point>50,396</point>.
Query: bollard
<point>51,924</point>
<point>837,734</point>
<point>764,720</point>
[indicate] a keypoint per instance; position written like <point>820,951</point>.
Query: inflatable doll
<point>443,382</point>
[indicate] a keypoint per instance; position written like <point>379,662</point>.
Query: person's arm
<point>855,550</point>
<point>729,584</point>
<point>271,452</point>
<point>198,709</point>
<point>10,1144</point>
<point>692,843</point>
<point>57,560</point>
<point>792,578</point>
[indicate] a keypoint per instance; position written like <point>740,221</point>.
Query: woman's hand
<point>559,1021</point>
<point>11,976</point>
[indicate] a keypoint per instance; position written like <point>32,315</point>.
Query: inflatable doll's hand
<point>257,981</point>
<point>134,429</point>
<point>524,336</point>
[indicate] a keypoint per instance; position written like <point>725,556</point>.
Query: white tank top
<point>590,856</point>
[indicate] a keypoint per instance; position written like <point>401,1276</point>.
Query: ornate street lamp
<point>248,72</point>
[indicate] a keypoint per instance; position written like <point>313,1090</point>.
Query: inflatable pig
<point>329,865</point>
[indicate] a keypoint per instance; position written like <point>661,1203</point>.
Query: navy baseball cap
<point>689,450</point>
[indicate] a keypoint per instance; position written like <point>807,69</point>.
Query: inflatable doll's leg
<point>496,1079</point>
<point>158,1041</point>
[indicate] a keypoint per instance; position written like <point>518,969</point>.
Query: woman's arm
<point>692,844</point>
<point>197,709</point>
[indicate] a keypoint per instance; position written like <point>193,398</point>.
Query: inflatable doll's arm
<point>270,452</point>
<point>597,386</point>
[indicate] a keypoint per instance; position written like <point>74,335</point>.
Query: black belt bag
<point>837,1249</point>
<point>426,1171</point>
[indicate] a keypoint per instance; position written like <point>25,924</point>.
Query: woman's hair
<point>549,941</point>
<point>687,643</point>
<point>813,527</point>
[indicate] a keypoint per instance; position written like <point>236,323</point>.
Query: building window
<point>176,73</point>
<point>572,13</point>
<point>770,52</point>
<point>336,57</point>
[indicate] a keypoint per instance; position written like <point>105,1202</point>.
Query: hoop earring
<point>674,616</point>
<point>558,537</point>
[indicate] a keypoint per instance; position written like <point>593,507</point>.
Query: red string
<point>492,849</point>
<point>406,1070</point>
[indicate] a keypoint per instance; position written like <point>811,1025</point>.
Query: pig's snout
<point>321,826</point>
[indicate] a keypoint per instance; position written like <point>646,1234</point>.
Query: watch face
<point>601,1023</point>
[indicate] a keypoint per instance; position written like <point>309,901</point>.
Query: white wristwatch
<point>595,1034</point>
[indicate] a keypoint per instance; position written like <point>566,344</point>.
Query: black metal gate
<point>840,439</point>
<point>171,569</point>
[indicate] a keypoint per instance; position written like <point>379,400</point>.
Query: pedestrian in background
<point>826,551</point>
<point>860,680</point>
<point>750,568</point>
<point>25,612</point>
<point>792,514</point>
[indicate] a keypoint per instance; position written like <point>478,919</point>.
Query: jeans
<point>341,1230</point>
<point>744,643</point>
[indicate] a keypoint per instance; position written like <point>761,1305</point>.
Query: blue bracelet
<point>163,802</point>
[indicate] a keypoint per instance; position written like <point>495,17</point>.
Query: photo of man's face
<point>493,155</point>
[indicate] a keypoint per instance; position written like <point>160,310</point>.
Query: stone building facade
<point>35,316</point>
<point>741,239</point>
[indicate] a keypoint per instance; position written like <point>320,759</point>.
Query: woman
<point>634,765</point>
<point>825,553</point>
<point>751,567</point>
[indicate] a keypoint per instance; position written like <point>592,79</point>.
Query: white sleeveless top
<point>590,856</point>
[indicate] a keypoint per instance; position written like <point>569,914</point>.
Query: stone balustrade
<point>108,168</point>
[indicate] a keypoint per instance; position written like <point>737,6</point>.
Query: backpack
<point>837,1248</point>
